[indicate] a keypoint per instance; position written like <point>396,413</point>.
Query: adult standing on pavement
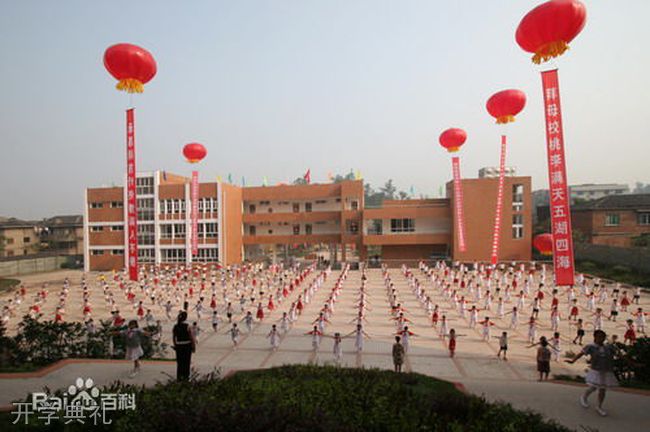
<point>184,345</point>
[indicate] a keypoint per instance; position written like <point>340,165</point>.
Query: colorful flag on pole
<point>412,190</point>
<point>219,179</point>
<point>230,178</point>
<point>357,175</point>
<point>265,181</point>
<point>243,181</point>
<point>307,176</point>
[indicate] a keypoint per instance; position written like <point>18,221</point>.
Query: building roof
<point>16,223</point>
<point>67,220</point>
<point>617,202</point>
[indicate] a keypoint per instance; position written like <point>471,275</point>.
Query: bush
<point>39,343</point>
<point>312,398</point>
<point>632,365</point>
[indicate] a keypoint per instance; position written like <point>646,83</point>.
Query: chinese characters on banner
<point>458,199</point>
<point>195,212</point>
<point>132,215</point>
<point>497,218</point>
<point>558,187</point>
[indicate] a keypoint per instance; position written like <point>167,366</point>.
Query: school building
<point>248,223</point>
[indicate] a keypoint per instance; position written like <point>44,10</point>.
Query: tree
<point>300,181</point>
<point>402,195</point>
<point>389,190</point>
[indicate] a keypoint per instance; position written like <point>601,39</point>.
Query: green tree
<point>389,190</point>
<point>300,181</point>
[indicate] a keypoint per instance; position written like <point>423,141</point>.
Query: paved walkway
<point>475,365</point>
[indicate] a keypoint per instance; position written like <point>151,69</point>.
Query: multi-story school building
<point>245,223</point>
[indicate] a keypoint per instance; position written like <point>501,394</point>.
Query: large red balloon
<point>544,243</point>
<point>452,139</point>
<point>194,152</point>
<point>131,65</point>
<point>547,30</point>
<point>506,104</point>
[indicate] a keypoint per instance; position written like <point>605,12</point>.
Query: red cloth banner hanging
<point>195,213</point>
<point>558,186</point>
<point>496,237</point>
<point>458,200</point>
<point>131,211</point>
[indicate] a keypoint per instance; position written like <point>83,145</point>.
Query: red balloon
<point>131,65</point>
<point>506,104</point>
<point>452,139</point>
<point>194,152</point>
<point>544,243</point>
<point>547,30</point>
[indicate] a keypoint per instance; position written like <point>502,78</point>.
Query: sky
<point>273,88</point>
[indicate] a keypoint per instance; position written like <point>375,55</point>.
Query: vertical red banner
<point>499,211</point>
<point>195,212</point>
<point>131,212</point>
<point>458,200</point>
<point>559,199</point>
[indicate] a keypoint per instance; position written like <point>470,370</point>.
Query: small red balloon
<point>194,152</point>
<point>544,243</point>
<point>547,30</point>
<point>131,65</point>
<point>506,104</point>
<point>452,139</point>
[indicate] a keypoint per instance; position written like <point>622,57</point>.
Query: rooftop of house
<point>617,202</point>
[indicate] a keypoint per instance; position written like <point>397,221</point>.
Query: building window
<point>517,226</point>
<point>179,231</point>
<point>643,218</point>
<point>26,240</point>
<point>173,255</point>
<point>354,205</point>
<point>296,207</point>
<point>351,226</point>
<point>251,230</point>
<point>308,229</point>
<point>96,205</point>
<point>146,234</point>
<point>207,255</point>
<point>96,228</point>
<point>201,205</point>
<point>166,231</point>
<point>517,197</point>
<point>402,225</point>
<point>308,207</point>
<point>146,255</point>
<point>145,209</point>
<point>144,186</point>
<point>296,230</point>
<point>265,202</point>
<point>375,227</point>
<point>117,252</point>
<point>321,202</point>
<point>97,252</point>
<point>117,204</point>
<point>118,227</point>
<point>9,241</point>
<point>211,230</point>
<point>251,209</point>
<point>612,219</point>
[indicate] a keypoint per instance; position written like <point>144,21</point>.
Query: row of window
<point>112,204</point>
<point>96,252</point>
<point>614,219</point>
<point>252,208</point>
<point>175,206</point>
<point>178,231</point>
<point>148,255</point>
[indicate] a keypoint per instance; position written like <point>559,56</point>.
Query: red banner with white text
<point>195,212</point>
<point>458,200</point>
<point>559,199</point>
<point>499,211</point>
<point>131,212</point>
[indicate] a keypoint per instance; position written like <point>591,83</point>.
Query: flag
<point>243,181</point>
<point>330,177</point>
<point>307,176</point>
<point>265,181</point>
<point>164,175</point>
<point>218,179</point>
<point>357,175</point>
<point>412,190</point>
<point>230,178</point>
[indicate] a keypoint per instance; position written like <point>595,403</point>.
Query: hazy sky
<point>275,87</point>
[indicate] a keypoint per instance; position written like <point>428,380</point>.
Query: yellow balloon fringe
<point>130,85</point>
<point>549,51</point>
<point>193,161</point>
<point>453,149</point>
<point>505,119</point>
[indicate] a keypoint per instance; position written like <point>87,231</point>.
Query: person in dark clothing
<point>184,345</point>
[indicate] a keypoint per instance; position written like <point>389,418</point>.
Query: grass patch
<point>313,398</point>
<point>8,284</point>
